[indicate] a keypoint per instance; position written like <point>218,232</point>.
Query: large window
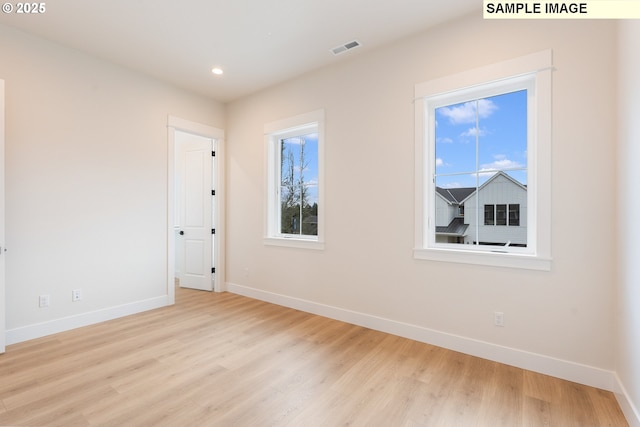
<point>483,165</point>
<point>294,190</point>
<point>481,151</point>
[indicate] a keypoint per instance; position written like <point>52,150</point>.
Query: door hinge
<point>213,192</point>
<point>213,154</point>
<point>213,231</point>
<point>213,270</point>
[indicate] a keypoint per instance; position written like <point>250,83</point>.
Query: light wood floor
<point>226,360</point>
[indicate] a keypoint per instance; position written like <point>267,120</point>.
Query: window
<point>294,195</point>
<point>489,215</point>
<point>483,150</point>
<point>501,215</point>
<point>298,190</point>
<point>514,215</point>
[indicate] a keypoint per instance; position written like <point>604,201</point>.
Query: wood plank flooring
<point>226,360</point>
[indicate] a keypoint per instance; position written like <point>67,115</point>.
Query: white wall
<point>86,174</point>
<point>628,313</point>
<point>561,318</point>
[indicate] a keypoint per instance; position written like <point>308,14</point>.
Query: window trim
<point>273,133</point>
<point>537,68</point>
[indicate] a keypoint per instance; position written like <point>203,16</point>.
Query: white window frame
<point>532,72</point>
<point>274,132</point>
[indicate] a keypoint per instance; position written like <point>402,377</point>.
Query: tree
<point>294,197</point>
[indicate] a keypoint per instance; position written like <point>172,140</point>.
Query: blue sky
<point>501,131</point>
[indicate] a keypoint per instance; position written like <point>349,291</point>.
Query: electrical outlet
<point>498,318</point>
<point>76,295</point>
<point>44,301</point>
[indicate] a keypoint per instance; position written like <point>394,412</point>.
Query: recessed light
<point>217,71</point>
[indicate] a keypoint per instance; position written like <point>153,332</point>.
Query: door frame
<point>217,135</point>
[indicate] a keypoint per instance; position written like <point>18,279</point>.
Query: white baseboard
<point>571,371</point>
<point>38,330</point>
<point>630,411</point>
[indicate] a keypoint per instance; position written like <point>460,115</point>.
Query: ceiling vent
<point>345,47</point>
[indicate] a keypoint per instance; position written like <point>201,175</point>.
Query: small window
<point>501,215</point>
<point>294,191</point>
<point>489,218</point>
<point>514,215</point>
<point>483,141</point>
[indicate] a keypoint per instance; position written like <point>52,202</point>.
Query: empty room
<point>319,213</point>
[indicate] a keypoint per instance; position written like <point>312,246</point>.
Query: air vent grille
<point>345,47</point>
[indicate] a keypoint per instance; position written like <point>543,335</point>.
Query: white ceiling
<point>258,42</point>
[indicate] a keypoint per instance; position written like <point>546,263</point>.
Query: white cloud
<point>466,113</point>
<point>296,140</point>
<point>439,162</point>
<point>472,132</point>
<point>501,162</point>
<point>444,140</point>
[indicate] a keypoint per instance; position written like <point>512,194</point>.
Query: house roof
<point>460,195</point>
<point>495,176</point>
<point>455,195</point>
<point>456,227</point>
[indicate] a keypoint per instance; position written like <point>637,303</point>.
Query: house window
<point>514,215</point>
<point>294,194</point>
<point>483,146</point>
<point>513,219</point>
<point>489,215</point>
<point>501,215</point>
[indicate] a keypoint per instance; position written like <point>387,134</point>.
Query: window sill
<point>511,260</point>
<point>294,243</point>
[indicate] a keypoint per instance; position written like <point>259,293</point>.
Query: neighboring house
<point>495,214</point>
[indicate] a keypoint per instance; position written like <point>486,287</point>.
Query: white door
<point>2,241</point>
<point>195,213</point>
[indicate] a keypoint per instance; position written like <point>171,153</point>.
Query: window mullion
<point>300,208</point>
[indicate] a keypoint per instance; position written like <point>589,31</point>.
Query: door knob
<point>181,233</point>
